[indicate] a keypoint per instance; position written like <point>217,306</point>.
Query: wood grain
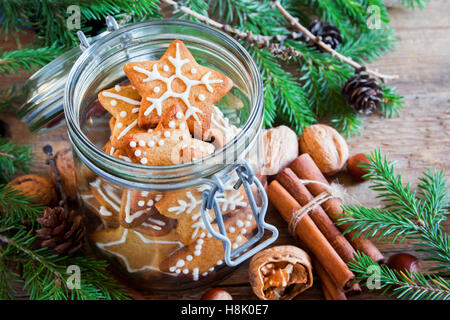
<point>418,139</point>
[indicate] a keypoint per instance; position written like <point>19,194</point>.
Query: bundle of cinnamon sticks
<point>316,230</point>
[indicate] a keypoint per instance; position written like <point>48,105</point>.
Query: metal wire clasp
<point>111,25</point>
<point>246,179</point>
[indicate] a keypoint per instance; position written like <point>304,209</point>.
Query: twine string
<point>333,190</point>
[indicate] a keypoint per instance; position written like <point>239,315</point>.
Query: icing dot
<point>133,144</point>
<point>202,235</point>
<point>249,217</point>
<point>178,271</point>
<point>142,143</point>
<point>200,241</point>
<point>193,70</point>
<point>119,125</point>
<point>179,115</point>
<point>201,97</point>
<point>141,203</point>
<point>232,229</point>
<point>172,124</point>
<point>172,269</point>
<point>158,197</point>
<point>123,114</point>
<point>144,160</point>
<point>197,253</point>
<point>161,142</point>
<point>189,258</point>
<point>113,103</point>
<point>117,87</point>
<point>211,269</point>
<point>238,238</point>
<point>235,246</point>
<point>166,134</point>
<point>149,203</point>
<point>137,153</point>
<point>182,126</point>
<point>186,271</point>
<point>198,247</point>
<point>180,263</point>
<point>204,274</point>
<point>209,235</point>
<point>220,262</point>
<point>157,89</point>
<point>144,153</point>
<point>144,193</point>
<point>150,130</point>
<point>151,143</point>
<point>239,223</point>
<point>135,110</point>
<point>166,68</point>
<point>244,231</point>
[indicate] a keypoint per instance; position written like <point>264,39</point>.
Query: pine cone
<point>64,235</point>
<point>363,93</point>
<point>328,33</point>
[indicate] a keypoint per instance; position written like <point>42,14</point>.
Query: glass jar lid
<point>43,93</point>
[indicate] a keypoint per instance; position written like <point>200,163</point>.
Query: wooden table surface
<point>418,139</point>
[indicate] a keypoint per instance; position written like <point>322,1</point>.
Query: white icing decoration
<point>195,274</point>
<point>193,70</point>
<point>156,89</point>
<point>201,97</point>
<point>167,134</point>
<point>142,143</point>
<point>113,103</point>
<point>179,115</point>
<point>161,142</point>
<point>119,125</point>
<point>172,124</point>
<point>105,212</point>
<point>125,158</point>
<point>151,143</point>
<point>109,197</point>
<point>128,128</point>
<point>141,203</point>
<point>119,97</point>
<point>144,160</point>
<point>123,114</point>
<point>178,63</point>
<point>166,68</point>
<point>133,144</point>
<point>117,87</point>
<point>111,151</point>
<point>137,153</point>
<point>185,271</point>
<point>135,110</point>
<point>129,218</point>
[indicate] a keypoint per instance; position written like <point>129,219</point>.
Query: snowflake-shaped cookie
<point>177,77</point>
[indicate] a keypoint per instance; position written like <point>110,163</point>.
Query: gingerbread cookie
<point>123,104</point>
<point>185,206</point>
<point>202,256</point>
<point>221,131</point>
<point>156,225</point>
<point>137,207</point>
<point>107,218</point>
<point>109,199</point>
<point>135,251</point>
<point>169,143</point>
<point>177,78</point>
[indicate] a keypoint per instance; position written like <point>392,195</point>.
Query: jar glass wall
<point>147,219</point>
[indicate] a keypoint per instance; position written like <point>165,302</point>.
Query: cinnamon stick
<point>305,168</point>
<point>299,192</point>
<point>311,236</point>
<point>329,288</point>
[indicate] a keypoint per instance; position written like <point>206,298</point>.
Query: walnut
<point>280,149</point>
<point>65,167</point>
<point>326,146</point>
<point>280,273</point>
<point>40,188</point>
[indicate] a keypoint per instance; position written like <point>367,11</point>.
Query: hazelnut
<point>353,166</point>
<point>216,294</point>
<point>402,262</point>
<point>326,147</point>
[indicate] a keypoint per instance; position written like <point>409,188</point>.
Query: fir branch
<point>13,158</point>
<point>28,59</point>
<point>405,216</point>
<point>392,102</point>
<point>45,274</point>
<point>17,208</point>
<point>412,4</point>
<point>295,23</point>
<point>403,285</point>
<point>10,97</point>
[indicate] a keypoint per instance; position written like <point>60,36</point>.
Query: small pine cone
<point>64,235</point>
<point>328,33</point>
<point>363,93</point>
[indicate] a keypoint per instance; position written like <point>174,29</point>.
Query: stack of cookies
<point>166,116</point>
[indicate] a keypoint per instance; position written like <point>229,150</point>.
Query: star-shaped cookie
<point>123,104</point>
<point>135,251</point>
<point>169,143</point>
<point>177,77</point>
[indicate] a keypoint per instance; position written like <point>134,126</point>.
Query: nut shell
<point>326,146</point>
<point>32,185</point>
<point>352,166</point>
<point>289,254</point>
<point>65,167</point>
<point>216,294</point>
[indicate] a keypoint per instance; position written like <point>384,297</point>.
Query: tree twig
<point>318,41</point>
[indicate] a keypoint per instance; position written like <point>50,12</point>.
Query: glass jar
<point>179,226</point>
